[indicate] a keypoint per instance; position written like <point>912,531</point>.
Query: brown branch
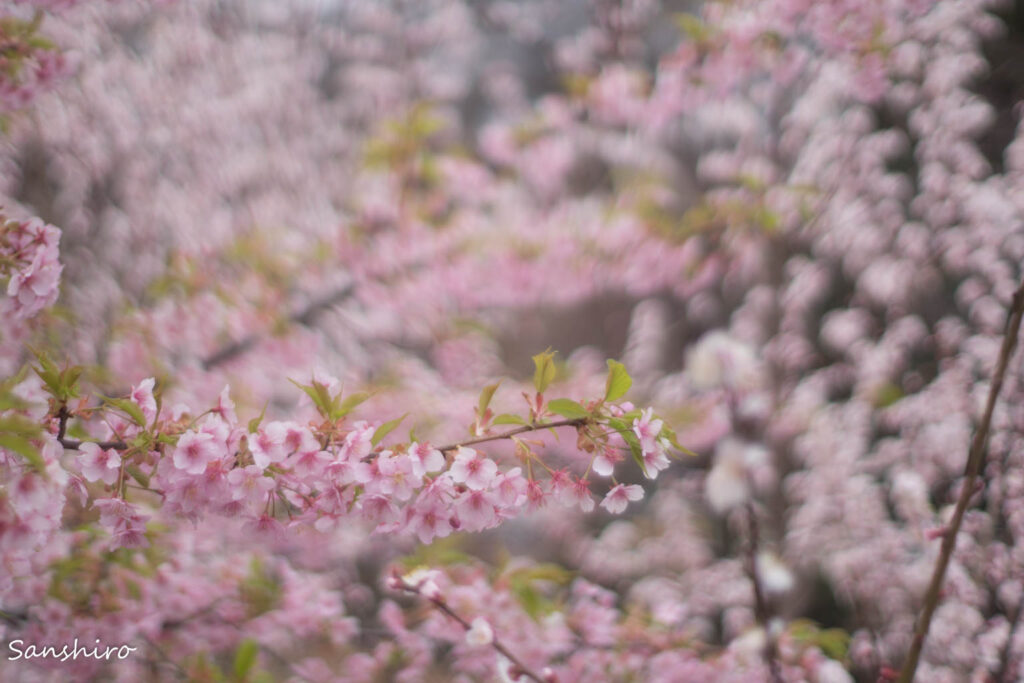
<point>75,445</point>
<point>307,316</point>
<point>439,603</point>
<point>975,460</point>
<point>179,672</point>
<point>537,426</point>
<point>762,612</point>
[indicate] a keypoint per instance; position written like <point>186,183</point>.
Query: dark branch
<point>975,460</point>
<point>762,612</point>
<point>307,316</point>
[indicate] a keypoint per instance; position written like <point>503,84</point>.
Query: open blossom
<point>425,459</point>
<point>194,451</point>
<point>647,430</point>
<point>578,493</point>
<point>249,483</point>
<point>476,510</point>
<point>124,522</point>
<point>606,460</point>
<point>268,444</point>
<point>620,495</point>
<point>656,460</point>
<point>142,395</point>
<point>34,280</point>
<point>510,488</point>
<point>395,476</point>
<point>99,464</point>
<point>472,469</point>
<point>30,493</point>
<point>429,521</point>
<point>480,633</point>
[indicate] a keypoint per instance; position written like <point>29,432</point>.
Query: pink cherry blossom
<point>194,450</point>
<point>98,464</point>
<point>619,496</point>
<point>473,469</point>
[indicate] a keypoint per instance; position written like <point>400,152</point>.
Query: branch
<point>307,316</point>
<point>438,602</point>
<point>761,610</point>
<point>975,460</point>
<point>75,445</point>
<point>537,426</point>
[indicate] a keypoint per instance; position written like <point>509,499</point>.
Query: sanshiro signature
<point>66,651</point>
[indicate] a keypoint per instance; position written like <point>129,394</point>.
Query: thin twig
<point>75,445</point>
<point>307,316</point>
<point>975,460</point>
<point>181,673</point>
<point>575,422</point>
<point>438,602</point>
<point>762,613</point>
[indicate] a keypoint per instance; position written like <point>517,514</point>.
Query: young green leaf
<point>129,408</point>
<point>670,434</point>
<point>319,396</point>
<point>485,397</point>
<point>386,429</point>
<point>567,408</point>
<point>346,406</point>
<point>509,419</point>
<point>245,658</point>
<point>544,370</point>
<point>626,432</point>
<point>24,448</point>
<point>254,423</point>
<point>618,382</point>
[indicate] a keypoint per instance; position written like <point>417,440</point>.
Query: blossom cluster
<point>30,64</point>
<point>798,222</point>
<point>31,269</point>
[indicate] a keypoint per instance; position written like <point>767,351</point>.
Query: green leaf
<point>24,448</point>
<point>69,380</point>
<point>129,408</point>
<point>254,423</point>
<point>510,419</point>
<point>485,397</point>
<point>670,434</point>
<point>245,658</point>
<point>138,475</point>
<point>618,382</point>
<point>567,408</point>
<point>348,405</point>
<point>544,369</point>
<point>523,583</point>
<point>318,394</point>
<point>625,430</point>
<point>386,429</point>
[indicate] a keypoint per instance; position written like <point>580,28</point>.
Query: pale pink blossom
<point>619,496</point>
<point>194,451</point>
<point>472,469</point>
<point>98,464</point>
